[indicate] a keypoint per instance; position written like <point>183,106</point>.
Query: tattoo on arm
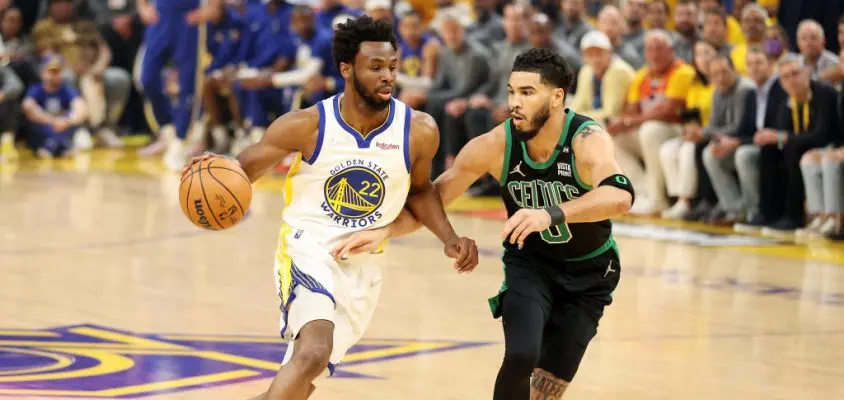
<point>588,131</point>
<point>545,386</point>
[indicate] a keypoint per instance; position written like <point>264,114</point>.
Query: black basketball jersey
<point>529,184</point>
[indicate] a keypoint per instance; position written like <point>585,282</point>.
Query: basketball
<point>215,194</point>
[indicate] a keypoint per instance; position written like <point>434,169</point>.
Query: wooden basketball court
<point>107,291</point>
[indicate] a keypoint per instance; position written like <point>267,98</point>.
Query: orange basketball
<point>215,194</point>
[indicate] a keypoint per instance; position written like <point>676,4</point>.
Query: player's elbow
<point>622,202</point>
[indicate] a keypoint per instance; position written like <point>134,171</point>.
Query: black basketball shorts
<point>571,295</point>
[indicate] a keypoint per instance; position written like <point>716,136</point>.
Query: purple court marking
<point>163,365</point>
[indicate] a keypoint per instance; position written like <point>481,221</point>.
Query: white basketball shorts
<point>313,286</point>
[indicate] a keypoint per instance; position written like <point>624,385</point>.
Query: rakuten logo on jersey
<point>385,146</point>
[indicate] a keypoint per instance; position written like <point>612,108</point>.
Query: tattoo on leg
<point>544,386</point>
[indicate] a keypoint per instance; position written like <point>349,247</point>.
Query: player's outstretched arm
<point>424,201</point>
<point>612,195</point>
<point>292,132</point>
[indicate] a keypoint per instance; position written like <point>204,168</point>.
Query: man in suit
<point>760,111</point>
<point>725,152</point>
<point>807,119</point>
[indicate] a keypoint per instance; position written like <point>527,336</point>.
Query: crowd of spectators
<point>723,111</point>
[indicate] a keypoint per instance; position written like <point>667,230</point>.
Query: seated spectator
<point>603,81</point>
<point>333,12</point>
<point>811,42</point>
<point>685,24</point>
<point>573,26</point>
<point>418,54</point>
<point>634,12</point>
<point>715,30</point>
<point>462,70</point>
<point>16,50</point>
<point>11,89</point>
<point>541,35</point>
<point>274,51</point>
<point>105,89</point>
<point>728,151</point>
<point>487,28</point>
<point>835,75</point>
<point>776,43</point>
<point>682,157</point>
<point>55,111</point>
<point>451,9</point>
<point>734,35</point>
<point>379,9</point>
<point>760,112</point>
<point>651,116</point>
<point>808,119</point>
<point>823,177</point>
<point>657,18</point>
<point>121,28</point>
<point>489,104</point>
<point>229,44</point>
<point>753,19</point>
<point>612,24</point>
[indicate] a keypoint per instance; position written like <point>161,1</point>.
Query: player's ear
<point>346,70</point>
<point>558,98</point>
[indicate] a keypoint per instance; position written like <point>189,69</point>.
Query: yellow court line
<point>392,351</point>
<point>12,332</point>
<point>147,387</point>
<point>279,340</point>
<point>123,338</point>
<point>76,345</point>
<point>222,339</point>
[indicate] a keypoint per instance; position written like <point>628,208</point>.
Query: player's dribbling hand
<point>205,156</point>
<point>523,223</point>
<point>464,251</point>
<point>360,242</point>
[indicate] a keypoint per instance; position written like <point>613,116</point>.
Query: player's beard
<point>369,98</point>
<point>534,124</point>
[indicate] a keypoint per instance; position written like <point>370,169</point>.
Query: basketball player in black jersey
<point>560,183</point>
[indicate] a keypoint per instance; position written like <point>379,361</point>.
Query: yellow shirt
<point>700,97</point>
<point>647,90</point>
<point>734,35</point>
<point>739,58</point>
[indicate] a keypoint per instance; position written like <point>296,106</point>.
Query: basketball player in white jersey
<point>363,157</point>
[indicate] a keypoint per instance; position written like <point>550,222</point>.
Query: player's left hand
<point>523,223</point>
<point>360,242</point>
<point>464,251</point>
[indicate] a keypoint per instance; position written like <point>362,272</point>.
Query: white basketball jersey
<point>350,183</point>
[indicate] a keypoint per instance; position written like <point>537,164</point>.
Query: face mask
<point>773,47</point>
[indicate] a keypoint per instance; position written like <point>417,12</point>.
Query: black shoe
<point>715,215</point>
<point>753,224</point>
<point>699,212</point>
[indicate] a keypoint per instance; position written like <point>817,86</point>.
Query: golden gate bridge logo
<point>355,192</point>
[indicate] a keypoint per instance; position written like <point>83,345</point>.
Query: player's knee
<point>811,157</point>
<point>313,359</point>
<point>519,362</point>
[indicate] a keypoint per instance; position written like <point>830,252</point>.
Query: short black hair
<point>726,57</point>
<point>718,12</point>
<point>350,34</point>
<point>551,67</point>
